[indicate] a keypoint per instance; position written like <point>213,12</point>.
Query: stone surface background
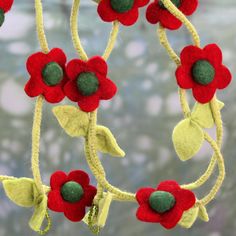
<point>142,115</point>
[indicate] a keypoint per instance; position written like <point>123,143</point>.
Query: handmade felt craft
<point>84,80</point>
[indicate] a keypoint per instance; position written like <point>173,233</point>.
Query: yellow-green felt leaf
<point>187,139</point>
<point>106,142</point>
<point>189,217</point>
<point>20,191</point>
<point>202,114</point>
<point>203,215</point>
<point>104,206</point>
<point>72,120</point>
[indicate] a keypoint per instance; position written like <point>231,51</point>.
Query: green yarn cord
<point>122,6</point>
<point>161,201</point>
<point>177,3</point>
<point>87,83</point>
<point>203,72</point>
<point>2,17</point>
<point>72,192</point>
<point>52,74</point>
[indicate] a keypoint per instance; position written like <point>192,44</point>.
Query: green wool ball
<point>177,3</point>
<point>72,192</point>
<point>122,6</point>
<point>161,201</point>
<point>87,83</point>
<point>203,72</point>
<point>2,17</point>
<point>52,74</point>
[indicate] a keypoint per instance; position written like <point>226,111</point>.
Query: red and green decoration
<point>71,194</point>
<point>47,75</point>
<point>165,204</point>
<point>202,71</point>
<point>124,11</point>
<point>157,13</point>
<point>5,6</point>
<point>88,83</point>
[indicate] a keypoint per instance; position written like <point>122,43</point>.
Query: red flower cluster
<point>5,6</point>
<point>125,11</point>
<point>156,12</point>
<point>83,82</point>
<point>165,204</point>
<point>202,71</point>
<point>71,194</point>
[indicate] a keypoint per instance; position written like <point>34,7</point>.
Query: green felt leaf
<point>106,142</point>
<point>72,120</point>
<point>189,217</point>
<point>203,116</point>
<point>203,215</point>
<point>187,138</point>
<point>20,191</point>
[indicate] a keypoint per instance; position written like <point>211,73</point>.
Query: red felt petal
<point>203,94</point>
<point>188,7</point>
<point>97,64</point>
<point>108,89</point>
<point>6,5</point>
<point>171,218</point>
<point>57,179</point>
<point>71,91</point>
<point>89,194</point>
<point>106,12</point>
<point>168,185</point>
<point>80,177</point>
<point>33,88</point>
<point>168,20</point>
<point>143,195</point>
<point>74,68</point>
<point>190,55</point>
<point>55,201</point>
<point>223,77</point>
<point>74,214</point>
<point>57,55</point>
<point>130,17</point>
<point>183,76</point>
<point>141,3</point>
<point>89,103</point>
<point>213,54</point>
<point>36,63</point>
<point>185,199</point>
<point>152,13</point>
<point>54,94</point>
<point>146,214</point>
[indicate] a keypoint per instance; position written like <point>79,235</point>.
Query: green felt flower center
<point>203,72</point>
<point>122,6</point>
<point>87,83</point>
<point>161,201</point>
<point>177,3</point>
<point>52,74</point>
<point>72,192</point>
<point>2,17</point>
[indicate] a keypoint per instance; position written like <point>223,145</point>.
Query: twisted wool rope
<point>90,150</point>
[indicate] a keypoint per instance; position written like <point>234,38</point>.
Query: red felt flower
<point>88,83</point>
<point>48,75</point>
<point>71,194</point>
<point>125,11</point>
<point>156,12</point>
<point>202,71</point>
<point>6,5</point>
<point>165,204</point>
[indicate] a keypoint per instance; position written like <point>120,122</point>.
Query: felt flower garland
<point>124,11</point>
<point>5,6</point>
<point>157,13</point>
<point>202,71</point>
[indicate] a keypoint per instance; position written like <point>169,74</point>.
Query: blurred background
<point>142,115</point>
